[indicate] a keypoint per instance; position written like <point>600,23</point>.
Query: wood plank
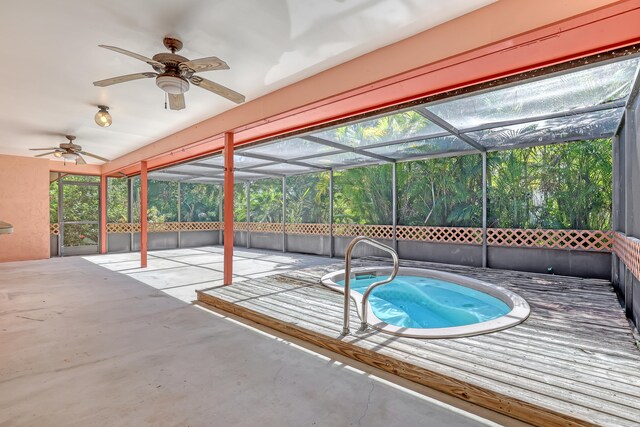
<point>575,356</point>
<point>307,296</point>
<point>500,403</point>
<point>595,375</point>
<point>292,311</point>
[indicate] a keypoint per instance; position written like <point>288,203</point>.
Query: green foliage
<point>81,234</point>
<point>53,201</point>
<point>162,201</point>
<point>441,192</point>
<point>308,198</point>
<point>163,198</point>
<point>363,195</point>
<point>387,128</point>
<point>239,203</point>
<point>117,200</point>
<point>553,186</point>
<point>135,197</point>
<point>266,200</point>
<point>80,203</point>
<point>199,202</point>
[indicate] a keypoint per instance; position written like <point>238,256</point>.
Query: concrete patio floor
<point>83,345</point>
<point>180,272</point>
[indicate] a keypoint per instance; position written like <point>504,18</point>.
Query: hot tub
<point>422,303</point>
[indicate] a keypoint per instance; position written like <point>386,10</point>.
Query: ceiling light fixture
<point>172,84</point>
<point>103,118</point>
<point>57,154</point>
<point>70,157</point>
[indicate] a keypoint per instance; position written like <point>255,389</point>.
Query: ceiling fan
<point>174,72</point>
<point>69,152</point>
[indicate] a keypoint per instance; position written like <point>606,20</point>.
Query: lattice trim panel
<point>164,227</point>
<point>584,240</point>
<point>258,227</point>
<point>373,231</point>
<point>265,227</point>
<point>54,229</point>
<point>123,227</point>
<point>628,250</point>
<point>240,226</point>
<point>458,235</point>
<point>202,226</point>
<point>308,229</point>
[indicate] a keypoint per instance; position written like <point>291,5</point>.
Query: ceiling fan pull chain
<point>165,100</point>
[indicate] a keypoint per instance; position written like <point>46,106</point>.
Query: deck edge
<point>503,404</point>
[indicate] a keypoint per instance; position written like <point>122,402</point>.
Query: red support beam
<point>228,208</point>
<point>143,214</point>
<point>103,214</point>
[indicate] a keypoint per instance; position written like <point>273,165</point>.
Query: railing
<point>583,240</point>
<point>163,227</point>
<point>586,240</point>
<point>628,250</point>
<point>54,229</point>
<point>347,280</point>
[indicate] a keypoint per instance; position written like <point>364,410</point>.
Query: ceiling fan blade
<point>45,154</point>
<point>176,102</point>
<point>95,156</point>
<point>40,149</point>
<point>134,55</point>
<point>205,64</point>
<point>80,160</point>
<point>122,79</point>
<point>218,89</point>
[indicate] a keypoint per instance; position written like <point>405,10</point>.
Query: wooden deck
<point>574,361</point>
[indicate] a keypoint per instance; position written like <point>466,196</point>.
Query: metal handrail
<point>347,279</point>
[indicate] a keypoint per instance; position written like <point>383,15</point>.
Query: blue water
<point>421,302</point>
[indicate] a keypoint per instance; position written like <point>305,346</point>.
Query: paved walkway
<point>82,345</point>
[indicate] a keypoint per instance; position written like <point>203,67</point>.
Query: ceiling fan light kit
<point>172,84</point>
<point>69,151</point>
<point>102,117</point>
<point>70,157</point>
<point>174,72</point>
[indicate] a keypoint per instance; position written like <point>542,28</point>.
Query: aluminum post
<point>331,243</point>
<point>484,209</point>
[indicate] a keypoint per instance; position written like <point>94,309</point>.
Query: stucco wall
<point>24,203</point>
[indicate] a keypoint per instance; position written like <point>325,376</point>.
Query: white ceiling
<point>50,58</point>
